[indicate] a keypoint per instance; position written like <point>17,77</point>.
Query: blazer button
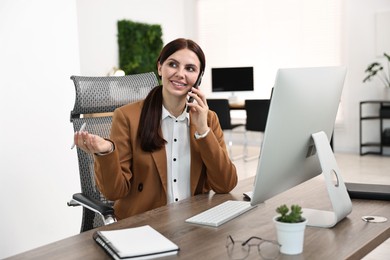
<point>140,187</point>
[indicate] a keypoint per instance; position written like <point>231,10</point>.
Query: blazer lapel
<point>196,160</point>
<point>160,159</point>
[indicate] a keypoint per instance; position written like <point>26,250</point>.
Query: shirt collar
<point>183,116</point>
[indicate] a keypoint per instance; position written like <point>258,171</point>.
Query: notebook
<point>368,191</point>
<point>135,243</point>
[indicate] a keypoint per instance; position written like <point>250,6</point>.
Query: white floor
<point>353,167</point>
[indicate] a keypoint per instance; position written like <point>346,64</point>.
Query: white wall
<point>40,47</point>
<point>38,53</point>
<point>358,48</point>
<point>97,21</point>
<point>264,35</point>
<point>359,51</point>
<point>43,43</point>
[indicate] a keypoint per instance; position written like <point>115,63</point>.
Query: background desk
<point>352,238</point>
<point>237,105</point>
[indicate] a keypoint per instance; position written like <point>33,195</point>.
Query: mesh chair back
<point>102,95</point>
<point>256,114</point>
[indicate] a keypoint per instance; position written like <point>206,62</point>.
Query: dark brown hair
<point>149,133</point>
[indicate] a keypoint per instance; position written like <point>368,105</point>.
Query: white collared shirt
<point>176,132</point>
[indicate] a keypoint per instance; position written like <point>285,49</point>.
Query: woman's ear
<point>159,69</point>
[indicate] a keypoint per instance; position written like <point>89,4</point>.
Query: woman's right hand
<point>91,143</point>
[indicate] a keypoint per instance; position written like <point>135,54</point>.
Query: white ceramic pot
<point>291,236</point>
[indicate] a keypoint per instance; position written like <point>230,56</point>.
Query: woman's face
<point>179,72</point>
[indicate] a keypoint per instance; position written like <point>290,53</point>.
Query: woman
<point>157,152</point>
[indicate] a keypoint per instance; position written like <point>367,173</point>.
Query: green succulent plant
<point>287,216</point>
<point>376,69</point>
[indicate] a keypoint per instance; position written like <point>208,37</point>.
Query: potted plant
<point>376,69</point>
<point>290,229</point>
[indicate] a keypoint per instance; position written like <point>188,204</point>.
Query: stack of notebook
<point>135,243</point>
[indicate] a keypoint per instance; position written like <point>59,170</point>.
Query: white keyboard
<point>221,213</point>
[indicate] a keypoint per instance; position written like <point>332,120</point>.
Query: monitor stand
<point>233,99</point>
<point>337,191</point>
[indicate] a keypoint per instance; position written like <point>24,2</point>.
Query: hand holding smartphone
<point>196,85</point>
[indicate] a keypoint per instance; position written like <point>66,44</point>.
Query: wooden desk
<point>352,238</point>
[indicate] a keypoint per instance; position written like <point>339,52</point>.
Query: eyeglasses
<point>267,249</point>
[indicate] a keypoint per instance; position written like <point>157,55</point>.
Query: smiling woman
<point>179,73</point>
<point>157,152</point>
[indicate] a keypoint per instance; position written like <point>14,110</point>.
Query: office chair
<point>256,119</point>
<point>96,99</point>
<point>222,109</point>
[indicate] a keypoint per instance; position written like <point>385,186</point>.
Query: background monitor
<point>304,101</point>
<point>232,79</point>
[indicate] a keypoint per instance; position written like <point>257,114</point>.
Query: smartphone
<point>196,85</point>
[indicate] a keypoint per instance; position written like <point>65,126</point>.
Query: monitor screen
<point>304,101</point>
<point>232,79</point>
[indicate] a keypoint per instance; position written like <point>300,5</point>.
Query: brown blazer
<point>137,180</point>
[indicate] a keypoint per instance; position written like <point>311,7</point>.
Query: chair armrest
<point>92,204</point>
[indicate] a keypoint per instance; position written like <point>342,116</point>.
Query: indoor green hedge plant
<point>139,46</point>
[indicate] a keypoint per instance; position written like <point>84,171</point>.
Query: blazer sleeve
<point>112,172</point>
<point>221,173</point>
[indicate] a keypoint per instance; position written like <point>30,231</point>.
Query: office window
<point>269,35</point>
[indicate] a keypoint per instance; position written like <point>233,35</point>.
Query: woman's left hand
<point>199,110</point>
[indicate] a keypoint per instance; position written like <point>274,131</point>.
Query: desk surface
<point>352,238</point>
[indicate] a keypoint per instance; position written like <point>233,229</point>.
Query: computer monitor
<point>304,102</point>
<point>232,79</point>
